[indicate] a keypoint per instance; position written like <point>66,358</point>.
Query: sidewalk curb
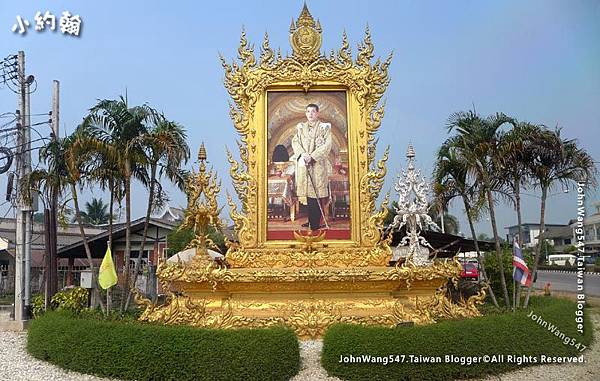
<point>569,272</point>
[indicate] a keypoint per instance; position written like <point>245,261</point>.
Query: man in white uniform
<point>311,145</point>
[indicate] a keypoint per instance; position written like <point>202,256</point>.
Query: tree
<point>114,129</point>
<point>95,212</point>
<point>553,161</point>
<point>77,156</point>
<point>514,149</point>
<point>50,182</point>
<point>179,239</point>
<point>105,173</point>
<point>451,180</point>
<point>165,147</point>
<point>513,158</point>
<point>450,224</point>
<point>477,145</point>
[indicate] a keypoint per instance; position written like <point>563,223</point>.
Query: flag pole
<point>107,276</point>
<point>514,280</point>
<point>514,293</point>
<point>108,296</point>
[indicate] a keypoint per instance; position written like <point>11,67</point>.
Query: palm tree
<point>514,162</point>
<point>477,145</point>
<point>114,129</point>
<point>554,160</point>
<point>108,176</point>
<point>51,182</point>
<point>76,157</point>
<point>448,223</point>
<point>166,147</point>
<point>95,212</point>
<point>450,181</point>
<point>106,173</point>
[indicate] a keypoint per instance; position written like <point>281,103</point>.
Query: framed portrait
<point>308,164</point>
<point>308,177</point>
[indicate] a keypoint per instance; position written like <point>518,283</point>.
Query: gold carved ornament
<point>202,212</point>
<point>247,81</point>
<point>203,293</point>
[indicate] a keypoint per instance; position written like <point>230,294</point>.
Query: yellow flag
<point>108,275</point>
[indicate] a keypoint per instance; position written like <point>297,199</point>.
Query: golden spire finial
<point>202,153</point>
<point>305,36</point>
<point>202,189</point>
<point>305,18</point>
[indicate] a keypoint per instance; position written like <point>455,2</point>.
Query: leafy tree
<point>95,212</point>
<point>451,224</point>
<point>76,156</point>
<point>554,160</point>
<point>451,180</point>
<point>166,149</point>
<point>52,181</point>
<point>179,239</point>
<point>515,147</point>
<point>113,129</point>
<point>476,144</point>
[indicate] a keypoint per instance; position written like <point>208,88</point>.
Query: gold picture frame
<point>287,107</point>
<point>248,82</point>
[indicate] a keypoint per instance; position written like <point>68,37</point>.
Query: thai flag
<point>521,272</point>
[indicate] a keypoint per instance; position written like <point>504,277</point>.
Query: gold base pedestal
<point>307,300</point>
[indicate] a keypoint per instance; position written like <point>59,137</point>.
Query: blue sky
<point>535,60</point>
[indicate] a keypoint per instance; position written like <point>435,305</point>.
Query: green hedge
<point>135,351</point>
<point>508,333</point>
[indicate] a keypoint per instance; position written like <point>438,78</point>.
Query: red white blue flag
<point>521,272</point>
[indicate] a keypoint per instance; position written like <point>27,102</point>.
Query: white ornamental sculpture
<point>412,212</point>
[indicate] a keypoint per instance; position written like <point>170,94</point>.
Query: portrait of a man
<point>308,187</point>
<point>311,146</point>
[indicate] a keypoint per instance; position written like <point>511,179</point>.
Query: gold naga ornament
<point>308,283</point>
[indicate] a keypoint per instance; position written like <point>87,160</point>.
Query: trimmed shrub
<point>513,334</point>
<point>73,299</point>
<point>136,351</point>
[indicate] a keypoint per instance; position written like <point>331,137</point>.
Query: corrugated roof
<point>562,232</point>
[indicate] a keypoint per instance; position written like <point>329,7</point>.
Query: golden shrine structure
<point>311,282</point>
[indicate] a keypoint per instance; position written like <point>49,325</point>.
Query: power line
<point>14,114</point>
<point>31,141</point>
<point>9,123</point>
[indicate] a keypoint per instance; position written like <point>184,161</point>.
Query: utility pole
<point>50,215</point>
<point>27,205</point>
<point>53,286</point>
<point>20,228</point>
<point>24,210</point>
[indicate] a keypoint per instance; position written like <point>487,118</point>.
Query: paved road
<point>567,281</point>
